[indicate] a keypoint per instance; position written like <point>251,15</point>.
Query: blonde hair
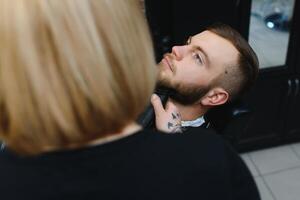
<point>71,71</point>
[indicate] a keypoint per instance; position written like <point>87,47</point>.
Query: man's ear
<point>214,97</point>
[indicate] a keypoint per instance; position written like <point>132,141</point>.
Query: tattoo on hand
<point>170,125</point>
<point>174,116</point>
<point>175,128</point>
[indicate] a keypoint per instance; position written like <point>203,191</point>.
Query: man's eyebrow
<point>188,40</point>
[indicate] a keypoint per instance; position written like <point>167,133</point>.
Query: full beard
<point>183,94</point>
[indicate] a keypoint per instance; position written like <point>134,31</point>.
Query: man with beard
<point>211,69</point>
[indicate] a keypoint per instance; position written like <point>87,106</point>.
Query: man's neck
<point>190,112</point>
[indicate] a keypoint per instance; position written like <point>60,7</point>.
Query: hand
<point>167,120</point>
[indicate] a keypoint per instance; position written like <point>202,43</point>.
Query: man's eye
<point>198,58</point>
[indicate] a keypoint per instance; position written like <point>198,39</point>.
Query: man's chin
<point>164,81</point>
<point>164,78</point>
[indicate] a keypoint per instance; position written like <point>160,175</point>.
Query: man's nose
<point>178,52</point>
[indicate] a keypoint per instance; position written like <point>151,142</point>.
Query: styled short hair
<point>71,71</point>
<point>241,75</point>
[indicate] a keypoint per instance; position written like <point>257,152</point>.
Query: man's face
<point>192,69</point>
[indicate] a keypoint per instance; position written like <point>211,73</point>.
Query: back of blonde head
<point>71,71</point>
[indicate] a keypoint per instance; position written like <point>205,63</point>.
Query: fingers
<point>171,106</point>
<point>166,120</point>
<point>157,105</point>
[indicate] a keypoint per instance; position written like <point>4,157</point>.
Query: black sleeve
<point>242,181</point>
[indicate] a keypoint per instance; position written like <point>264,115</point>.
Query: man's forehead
<point>202,33</point>
<point>218,48</point>
<point>208,36</point>
<point>211,41</point>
